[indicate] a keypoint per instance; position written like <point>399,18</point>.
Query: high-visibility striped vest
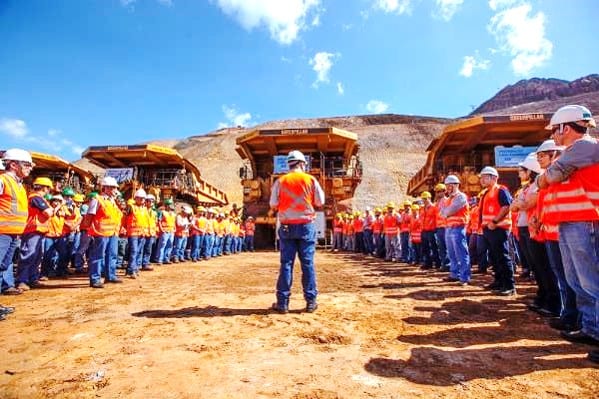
<point>473,227</point>
<point>37,221</point>
<point>489,206</point>
<point>405,222</point>
<point>460,218</point>
<point>201,223</point>
<point>377,225</point>
<point>137,222</point>
<point>548,230</point>
<point>337,226</point>
<point>296,198</point>
<point>167,221</point>
<point>152,222</point>
<point>55,226</point>
<point>575,199</point>
<point>416,230</point>
<point>13,206</point>
<point>358,225</point>
<point>210,226</point>
<point>71,220</point>
<point>106,222</point>
<point>391,224</point>
<point>442,204</point>
<point>429,221</point>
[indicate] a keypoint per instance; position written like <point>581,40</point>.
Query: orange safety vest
<point>14,206</point>
<point>416,230</point>
<point>575,199</point>
<point>296,198</point>
<point>377,225</point>
<point>460,218</point>
<point>106,222</point>
<point>358,225</point>
<point>549,231</point>
<point>34,220</point>
<point>137,221</point>
<point>71,221</point>
<point>337,226</point>
<point>167,221</point>
<point>391,224</point>
<point>55,225</point>
<point>201,224</point>
<point>405,222</point>
<point>489,206</point>
<point>442,204</point>
<point>429,222</point>
<point>250,228</point>
<point>181,231</point>
<point>473,221</point>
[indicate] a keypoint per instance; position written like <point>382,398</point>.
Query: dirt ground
<point>203,331</point>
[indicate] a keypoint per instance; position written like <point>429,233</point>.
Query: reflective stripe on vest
<point>105,222</point>
<point>337,226</point>
<point>358,225</point>
<point>152,221</point>
<point>460,218</point>
<point>377,225</point>
<point>137,222</point>
<point>13,206</point>
<point>55,226</point>
<point>36,215</point>
<point>296,198</point>
<point>429,222</point>
<point>167,221</point>
<point>442,204</point>
<point>490,208</point>
<point>391,224</point>
<point>416,231</point>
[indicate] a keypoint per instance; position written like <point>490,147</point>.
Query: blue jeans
<point>391,246</point>
<point>300,240</point>
<point>32,251</point>
<point>249,243</point>
<point>136,247</point>
<point>179,250</point>
<point>227,244</point>
<point>165,246</point>
<point>404,238</point>
<point>50,259</point>
<point>457,249</point>
<point>430,253</point>
<point>368,241</point>
<point>147,251</point>
<point>102,258</point>
<point>208,246</point>
<point>64,254</point>
<point>82,250</point>
<point>197,243</point>
<point>8,245</point>
<point>568,312</point>
<point>579,245</point>
<point>441,244</point>
<point>497,242</point>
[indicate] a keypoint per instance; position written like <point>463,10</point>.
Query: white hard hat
<point>150,197</point>
<point>109,181</point>
<point>452,179</point>
<point>549,145</point>
<point>1,165</point>
<point>140,193</point>
<point>221,215</point>
<point>571,113</point>
<point>16,154</point>
<point>57,197</point>
<point>187,210</point>
<point>531,163</point>
<point>295,156</point>
<point>488,170</point>
<point>368,209</point>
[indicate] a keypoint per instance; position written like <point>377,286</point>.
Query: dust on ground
<point>203,331</point>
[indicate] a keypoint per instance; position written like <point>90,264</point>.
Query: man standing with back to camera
<point>295,196</point>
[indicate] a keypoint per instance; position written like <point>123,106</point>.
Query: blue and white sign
<point>280,164</point>
<point>121,175</point>
<point>509,157</point>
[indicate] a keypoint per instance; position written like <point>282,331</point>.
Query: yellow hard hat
<point>200,208</point>
<point>440,187</point>
<point>378,210</point>
<point>390,204</point>
<point>130,201</point>
<point>43,181</point>
<point>357,213</point>
<point>78,197</point>
<point>415,207</point>
<point>339,214</point>
<point>426,195</point>
<point>407,203</point>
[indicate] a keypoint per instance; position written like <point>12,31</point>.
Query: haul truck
<point>467,146</point>
<point>62,173</point>
<point>332,158</point>
<point>159,170</point>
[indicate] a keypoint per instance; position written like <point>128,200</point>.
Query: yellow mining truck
<point>332,158</point>
<point>62,173</point>
<point>465,147</point>
<point>159,170</point>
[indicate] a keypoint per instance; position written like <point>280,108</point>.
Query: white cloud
<point>472,62</point>
<point>394,6</point>
<point>285,59</point>
<point>322,63</point>
<point>447,8</point>
<point>520,35</point>
<point>284,19</point>
<point>234,117</point>
<point>377,106</point>
<point>53,132</point>
<point>316,20</point>
<point>340,88</point>
<point>15,128</point>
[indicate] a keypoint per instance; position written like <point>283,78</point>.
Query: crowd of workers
<point>550,226</point>
<point>49,234</point>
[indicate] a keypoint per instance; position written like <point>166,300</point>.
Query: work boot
<point>507,292</point>
<point>23,287</point>
<point>37,284</point>
<point>579,337</point>
<point>4,310</point>
<point>96,285</point>
<point>12,291</point>
<point>560,325</point>
<point>311,306</point>
<point>279,308</point>
<point>115,281</point>
<point>593,356</point>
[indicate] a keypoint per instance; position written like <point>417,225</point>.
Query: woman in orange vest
<point>32,240</point>
<point>415,234</point>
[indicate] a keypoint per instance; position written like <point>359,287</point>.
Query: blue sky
<point>75,73</point>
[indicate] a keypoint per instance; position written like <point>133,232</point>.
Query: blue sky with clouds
<point>75,73</point>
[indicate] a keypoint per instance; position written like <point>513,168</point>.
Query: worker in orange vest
<point>210,233</point>
<point>378,234</point>
<point>404,231</point>
<point>182,222</point>
<point>53,251</point>
<point>295,196</point>
<point>338,232</point>
<point>13,216</point>
<point>166,229</point>
<point>219,235</point>
<point>150,243</point>
<point>358,224</point>
<point>32,240</point>
<point>137,226</point>
<point>573,204</point>
<point>441,202</point>
<point>250,231</point>
<point>416,234</point>
<point>430,252</point>
<point>103,222</point>
<point>495,220</point>
<point>391,229</point>
<point>197,233</point>
<point>368,237</point>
